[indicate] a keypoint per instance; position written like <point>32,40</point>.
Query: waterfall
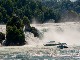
<point>68,32</point>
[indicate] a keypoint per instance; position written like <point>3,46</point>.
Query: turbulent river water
<point>68,33</point>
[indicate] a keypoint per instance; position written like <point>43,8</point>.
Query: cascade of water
<point>58,32</point>
<point>68,32</point>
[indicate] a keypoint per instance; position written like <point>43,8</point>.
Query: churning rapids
<point>68,33</point>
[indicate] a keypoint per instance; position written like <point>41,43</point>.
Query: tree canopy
<point>15,34</point>
<point>42,10</point>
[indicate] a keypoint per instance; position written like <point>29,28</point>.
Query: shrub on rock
<point>28,28</point>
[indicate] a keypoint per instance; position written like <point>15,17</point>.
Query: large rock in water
<point>2,37</point>
<point>32,30</point>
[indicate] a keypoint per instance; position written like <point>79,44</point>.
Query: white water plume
<point>59,32</point>
<point>34,21</point>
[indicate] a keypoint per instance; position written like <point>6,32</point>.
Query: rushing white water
<point>59,32</point>
<point>3,28</point>
<point>68,32</point>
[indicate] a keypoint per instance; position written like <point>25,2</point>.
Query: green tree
<point>26,20</point>
<point>15,34</point>
<point>42,10</point>
<point>26,23</point>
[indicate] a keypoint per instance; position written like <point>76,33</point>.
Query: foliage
<point>26,21</point>
<point>15,34</point>
<point>39,9</point>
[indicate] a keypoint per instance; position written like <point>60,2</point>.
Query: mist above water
<point>68,32</point>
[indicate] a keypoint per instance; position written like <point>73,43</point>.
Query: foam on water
<point>39,53</point>
<point>68,32</point>
<point>59,32</point>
